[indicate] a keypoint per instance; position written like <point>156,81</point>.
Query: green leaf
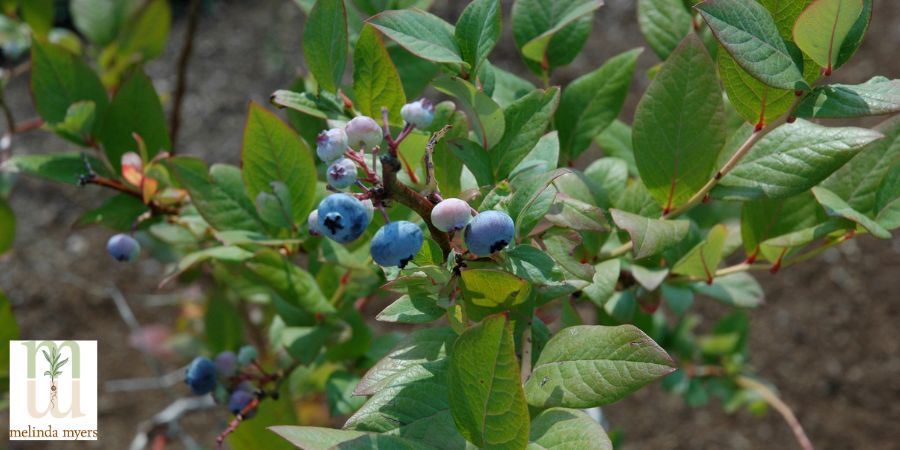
<point>738,289</point>
<point>664,23</point>
<point>302,102</point>
<point>289,281</point>
<point>593,365</point>
<point>486,397</point>
<point>791,159</point>
<point>339,394</point>
<point>545,19</point>
<point>591,102</point>
<point>39,15</point>
<point>563,46</point>
<point>272,151</point>
<point>561,245</point>
<point>509,87</point>
<point>784,14</point>
<point>316,438</point>
<point>477,31</point>
<point>526,120</point>
<point>560,428</point>
<point>837,207</point>
<point>887,200</point>
<point>77,125</point>
<point>217,194</point>
<point>603,285</point>
<point>611,174</point>
<point>488,288</point>
<point>821,28</point>
<point>679,126</point>
<point>858,181</point>
<point>275,208</point>
<point>749,34</point>
<point>118,212</point>
<point>376,82</point>
<point>414,405</point>
<point>412,308</point>
<point>703,259</point>
<point>7,226</point>
<point>424,35</point>
<point>59,79</point>
<point>757,102</point>
<point>325,41</point>
<point>222,325</point>
<point>650,236</point>
<point>856,34</point>
<point>486,116</point>
<point>533,197</point>
<point>543,158</point>
<point>764,219</point>
<point>134,109</point>
<point>874,97</point>
<point>533,265</point>
<point>99,20</point>
<point>420,347</point>
<point>145,33</point>
<point>59,167</point>
<point>616,141</point>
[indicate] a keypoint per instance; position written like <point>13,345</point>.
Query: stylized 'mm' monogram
<point>33,350</point>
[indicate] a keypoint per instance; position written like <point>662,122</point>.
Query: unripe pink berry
<point>331,144</point>
<point>451,214</point>
<point>363,131</point>
<point>419,113</point>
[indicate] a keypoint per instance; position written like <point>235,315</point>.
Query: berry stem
<point>394,188</point>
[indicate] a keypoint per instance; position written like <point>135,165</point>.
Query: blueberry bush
<point>527,281</point>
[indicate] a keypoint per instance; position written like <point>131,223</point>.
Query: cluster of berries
<point>344,218</point>
<point>230,378</point>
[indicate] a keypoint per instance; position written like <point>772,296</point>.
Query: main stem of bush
<point>395,189</point>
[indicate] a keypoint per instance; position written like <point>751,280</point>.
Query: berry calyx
<point>489,232</point>
<point>201,376</point>
<point>451,214</point>
<point>363,131</point>
<point>342,218</point>
<point>396,244</point>
<point>331,144</point>
<point>123,247</point>
<point>419,113</point>
<point>341,173</point>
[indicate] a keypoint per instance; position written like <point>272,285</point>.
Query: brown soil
<point>827,336</point>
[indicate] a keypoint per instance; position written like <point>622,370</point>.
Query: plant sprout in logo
<point>55,366</point>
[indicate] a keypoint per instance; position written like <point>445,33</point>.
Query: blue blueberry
<point>123,247</point>
<point>363,131</point>
<point>201,376</point>
<point>238,401</point>
<point>489,232</point>
<point>419,113</point>
<point>226,364</point>
<point>451,214</point>
<point>246,355</point>
<point>341,173</point>
<point>396,243</point>
<point>342,218</point>
<point>331,144</point>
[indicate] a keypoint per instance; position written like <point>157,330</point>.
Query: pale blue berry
<point>489,232</point>
<point>123,247</point>
<point>363,131</point>
<point>341,173</point>
<point>396,243</point>
<point>313,223</point>
<point>419,113</point>
<point>331,144</point>
<point>201,376</point>
<point>246,355</point>
<point>342,218</point>
<point>451,214</point>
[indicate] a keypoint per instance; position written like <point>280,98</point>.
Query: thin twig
<point>183,59</point>
<point>431,185</point>
<point>168,417</point>
<point>526,355</point>
<point>769,396</point>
